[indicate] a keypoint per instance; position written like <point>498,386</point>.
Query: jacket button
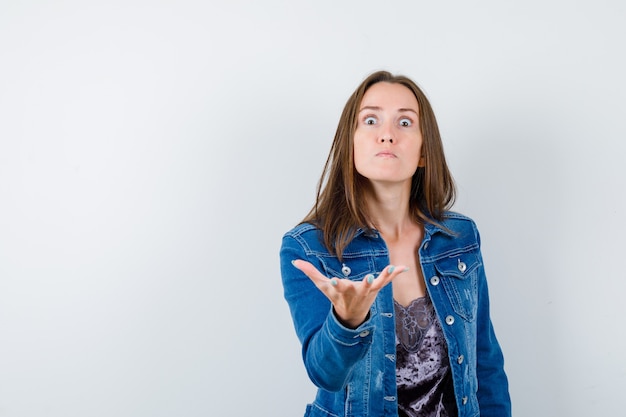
<point>426,245</point>
<point>449,320</point>
<point>464,400</point>
<point>462,266</point>
<point>434,280</point>
<point>460,359</point>
<point>364,333</point>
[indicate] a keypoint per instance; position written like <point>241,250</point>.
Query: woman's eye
<point>405,122</point>
<point>370,120</point>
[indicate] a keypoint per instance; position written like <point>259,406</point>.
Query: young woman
<point>386,287</point>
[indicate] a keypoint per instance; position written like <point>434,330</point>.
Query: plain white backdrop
<point>152,154</point>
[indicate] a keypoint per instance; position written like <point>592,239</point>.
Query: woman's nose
<point>386,133</point>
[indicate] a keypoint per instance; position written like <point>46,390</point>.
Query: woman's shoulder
<point>303,229</point>
<point>454,234</point>
<point>458,226</point>
<point>305,236</point>
<point>453,218</point>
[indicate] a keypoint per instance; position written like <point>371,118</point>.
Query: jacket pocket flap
<point>458,266</point>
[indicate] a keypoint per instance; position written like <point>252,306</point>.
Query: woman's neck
<point>388,208</point>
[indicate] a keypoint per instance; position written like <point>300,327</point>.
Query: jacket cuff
<point>347,336</point>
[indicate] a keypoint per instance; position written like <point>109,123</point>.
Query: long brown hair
<point>340,207</point>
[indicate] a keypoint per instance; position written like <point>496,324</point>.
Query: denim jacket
<point>354,369</point>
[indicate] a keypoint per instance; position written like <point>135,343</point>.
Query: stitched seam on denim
<point>453,271</point>
<point>452,253</point>
<point>324,410</point>
<point>456,299</point>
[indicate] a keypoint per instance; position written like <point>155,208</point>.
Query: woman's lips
<point>386,154</point>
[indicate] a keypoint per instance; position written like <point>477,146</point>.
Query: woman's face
<point>388,140</point>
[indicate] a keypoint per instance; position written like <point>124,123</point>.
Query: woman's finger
<point>320,280</point>
<point>387,275</point>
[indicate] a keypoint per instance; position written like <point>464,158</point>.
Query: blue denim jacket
<point>354,369</point>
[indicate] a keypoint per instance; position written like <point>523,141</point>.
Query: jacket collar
<point>429,229</point>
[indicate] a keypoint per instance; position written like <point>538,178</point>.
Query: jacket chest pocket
<point>353,267</point>
<point>459,276</point>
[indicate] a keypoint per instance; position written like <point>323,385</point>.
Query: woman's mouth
<point>386,154</point>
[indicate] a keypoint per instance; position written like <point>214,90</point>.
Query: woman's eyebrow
<point>376,108</point>
<point>408,109</point>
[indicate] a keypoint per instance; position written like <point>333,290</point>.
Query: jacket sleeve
<point>493,388</point>
<point>329,349</point>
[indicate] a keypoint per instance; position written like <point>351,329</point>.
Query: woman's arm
<point>329,349</point>
<point>493,387</point>
<point>331,315</point>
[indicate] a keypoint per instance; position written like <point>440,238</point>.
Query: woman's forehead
<point>386,95</point>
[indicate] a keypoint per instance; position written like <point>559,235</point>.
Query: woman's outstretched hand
<point>351,300</point>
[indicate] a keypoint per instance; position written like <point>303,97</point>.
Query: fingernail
<point>370,278</point>
<point>333,282</point>
<point>293,262</point>
<point>406,268</point>
<point>391,269</point>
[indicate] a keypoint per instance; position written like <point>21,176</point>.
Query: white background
<point>152,154</point>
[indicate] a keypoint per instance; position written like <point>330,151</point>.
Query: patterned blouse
<point>423,375</point>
